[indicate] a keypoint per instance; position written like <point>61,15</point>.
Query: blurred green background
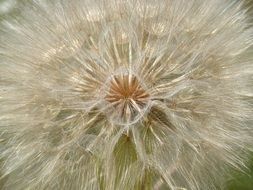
<point>241,180</point>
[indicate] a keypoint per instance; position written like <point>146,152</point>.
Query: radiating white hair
<point>124,94</point>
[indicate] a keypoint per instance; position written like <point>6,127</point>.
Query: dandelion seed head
<point>124,94</point>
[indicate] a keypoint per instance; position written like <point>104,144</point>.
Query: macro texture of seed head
<point>124,94</point>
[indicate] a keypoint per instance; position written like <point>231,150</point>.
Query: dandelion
<point>124,94</point>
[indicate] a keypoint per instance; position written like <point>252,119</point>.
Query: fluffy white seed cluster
<point>124,94</point>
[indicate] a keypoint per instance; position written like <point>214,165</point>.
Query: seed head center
<point>127,97</point>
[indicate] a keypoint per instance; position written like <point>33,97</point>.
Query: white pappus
<point>124,94</point>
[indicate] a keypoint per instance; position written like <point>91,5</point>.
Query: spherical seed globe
<point>124,94</point>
